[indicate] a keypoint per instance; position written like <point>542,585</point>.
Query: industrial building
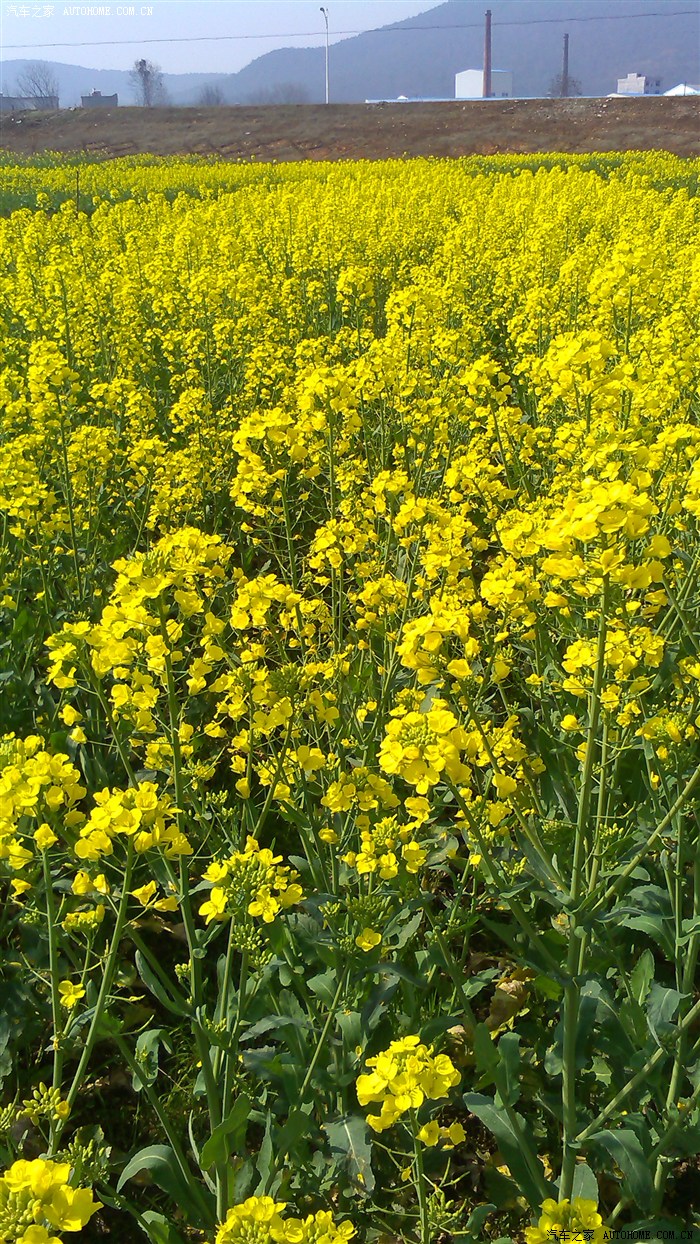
<point>97,100</point>
<point>469,84</point>
<point>638,84</point>
<point>34,103</point>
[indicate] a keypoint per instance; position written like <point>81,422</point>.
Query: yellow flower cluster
<point>425,748</point>
<point>36,1199</point>
<point>379,846</point>
<point>250,882</point>
<point>138,814</point>
<point>34,785</point>
<point>577,1221</point>
<point>261,1220</point>
<point>403,1077</point>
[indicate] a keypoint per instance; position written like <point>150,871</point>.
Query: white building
<point>683,88</point>
<point>638,84</point>
<point>469,84</point>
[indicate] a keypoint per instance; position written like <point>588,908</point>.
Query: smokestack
<point>565,69</point>
<point>486,90</point>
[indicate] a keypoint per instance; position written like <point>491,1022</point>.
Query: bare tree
<point>212,96</point>
<point>147,83</point>
<point>556,87</point>
<point>37,81</point>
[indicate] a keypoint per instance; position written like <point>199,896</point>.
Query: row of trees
<point>38,81</point>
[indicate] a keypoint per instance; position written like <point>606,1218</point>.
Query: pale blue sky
<point>95,28</point>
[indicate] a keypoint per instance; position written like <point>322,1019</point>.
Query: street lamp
<point>325,16</point>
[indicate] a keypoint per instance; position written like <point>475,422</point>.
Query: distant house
<point>37,103</point>
<point>638,84</point>
<point>469,84</point>
<point>684,88</point>
<point>97,100</point>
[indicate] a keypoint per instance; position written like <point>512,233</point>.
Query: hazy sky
<point>209,35</point>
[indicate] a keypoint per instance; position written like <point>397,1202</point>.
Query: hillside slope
<point>346,131</point>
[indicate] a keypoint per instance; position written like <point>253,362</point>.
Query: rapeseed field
<point>350,717</point>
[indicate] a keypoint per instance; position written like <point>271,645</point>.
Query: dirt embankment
<point>369,131</point>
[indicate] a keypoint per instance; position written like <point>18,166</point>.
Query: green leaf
<point>507,1072</point>
<point>324,986</point>
<point>641,976</point>
<point>147,1048</point>
<point>516,1146</point>
<point>297,1126</point>
<point>499,1188</point>
<point>479,981</point>
<point>405,931</point>
<point>242,1181</point>
<point>661,1006</point>
<point>270,1023</point>
<point>624,1148</point>
<point>170,998</point>
<point>653,926</point>
<point>689,928</point>
<point>585,1183</point>
<point>162,1166</point>
<point>350,1143</point>
<point>218,1147</point>
<point>486,1055</point>
<point>266,1158</point>
<point>601,1070</point>
<point>477,1218</point>
<point>5,1058</point>
<point>159,1230</point>
<point>350,1024</point>
<point>548,987</point>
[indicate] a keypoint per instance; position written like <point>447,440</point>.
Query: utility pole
<point>565,69</point>
<point>325,15</point>
<point>486,90</point>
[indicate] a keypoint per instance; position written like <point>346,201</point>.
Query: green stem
<point>281,1155</point>
<point>638,1078</point>
<point>575,954</point>
<point>530,834</point>
<point>201,1039</point>
<point>53,980</point>
<point>171,1136</point>
<point>686,959</point>
<point>69,502</point>
<point>420,1183</point>
<point>322,1039</point>
<point>500,883</point>
<point>652,842</point>
<point>231,1056</point>
<point>273,785</point>
<point>691,634</point>
<point>221,1011</point>
<point>95,684</point>
<point>454,972</point>
<point>107,979</point>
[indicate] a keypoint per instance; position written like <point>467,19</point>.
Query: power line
<point>380,30</point>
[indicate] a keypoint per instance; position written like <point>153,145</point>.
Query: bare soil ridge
<point>367,131</point>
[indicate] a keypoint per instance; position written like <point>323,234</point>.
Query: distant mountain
<point>420,56</point>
